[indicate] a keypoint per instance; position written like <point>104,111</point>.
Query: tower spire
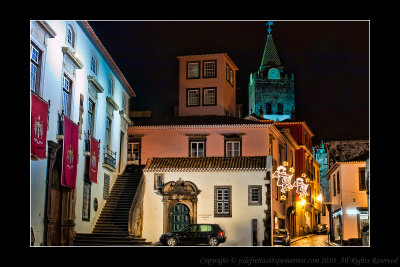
<point>270,54</point>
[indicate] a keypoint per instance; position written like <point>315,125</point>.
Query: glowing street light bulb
<point>302,202</point>
<point>319,198</point>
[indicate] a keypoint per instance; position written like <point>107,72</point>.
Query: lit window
<point>193,97</point>
<point>210,69</point>
<point>229,75</point>
<point>232,148</point>
<point>209,96</point>
<point>193,70</point>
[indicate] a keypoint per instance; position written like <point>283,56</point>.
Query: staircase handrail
<point>136,210</point>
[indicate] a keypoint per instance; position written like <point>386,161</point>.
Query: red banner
<point>70,153</point>
<point>94,159</point>
<point>39,115</point>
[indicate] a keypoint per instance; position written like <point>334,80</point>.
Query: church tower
<point>271,89</point>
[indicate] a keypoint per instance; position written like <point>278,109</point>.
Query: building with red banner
<point>79,121</point>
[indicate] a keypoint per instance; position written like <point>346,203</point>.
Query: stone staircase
<point>111,228</point>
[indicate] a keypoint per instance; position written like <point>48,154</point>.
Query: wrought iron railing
<point>109,157</point>
<point>87,142</point>
<point>60,123</point>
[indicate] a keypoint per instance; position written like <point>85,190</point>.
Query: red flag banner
<point>94,159</point>
<point>70,153</point>
<point>39,115</point>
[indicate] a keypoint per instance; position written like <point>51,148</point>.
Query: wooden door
<point>56,208</point>
<point>180,217</point>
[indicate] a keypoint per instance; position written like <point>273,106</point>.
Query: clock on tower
<point>273,73</point>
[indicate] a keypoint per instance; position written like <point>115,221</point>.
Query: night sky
<point>330,61</point>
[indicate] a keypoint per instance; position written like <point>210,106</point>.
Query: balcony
<point>109,161</point>
<point>86,145</point>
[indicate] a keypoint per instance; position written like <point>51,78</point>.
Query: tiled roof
<point>207,163</point>
<point>193,120</point>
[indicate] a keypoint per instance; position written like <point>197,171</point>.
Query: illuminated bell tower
<point>271,89</point>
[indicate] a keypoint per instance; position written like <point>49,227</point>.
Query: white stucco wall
<point>237,228</point>
<point>51,90</point>
<point>350,197</point>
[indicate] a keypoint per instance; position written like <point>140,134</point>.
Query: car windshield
<point>279,232</point>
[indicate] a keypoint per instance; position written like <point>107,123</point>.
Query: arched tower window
<point>280,109</point>
<point>268,108</point>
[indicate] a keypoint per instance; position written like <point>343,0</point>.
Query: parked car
<point>321,229</point>
<point>210,234</point>
<point>281,237</point>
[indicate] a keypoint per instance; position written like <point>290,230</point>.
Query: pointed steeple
<point>270,54</point>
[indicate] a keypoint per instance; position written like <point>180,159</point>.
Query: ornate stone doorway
<point>180,203</point>
<point>60,203</point>
<point>180,217</point>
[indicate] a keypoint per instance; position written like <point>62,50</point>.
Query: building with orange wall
<point>306,167</point>
<point>207,85</point>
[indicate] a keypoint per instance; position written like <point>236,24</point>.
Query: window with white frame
<point>66,95</point>
<point>193,97</point>
<point>222,201</point>
<point>93,65</point>
<point>193,70</point>
<point>70,36</point>
<point>232,148</point>
<point>91,116</point>
<point>197,148</point>
<point>209,96</point>
<point>110,90</point>
<point>35,69</point>
<point>210,69</point>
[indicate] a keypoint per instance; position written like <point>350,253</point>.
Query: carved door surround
<point>179,192</point>
<point>60,202</point>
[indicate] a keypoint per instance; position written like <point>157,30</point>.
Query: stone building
<point>271,88</point>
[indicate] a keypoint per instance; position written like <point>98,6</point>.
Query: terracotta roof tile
<point>207,163</point>
<point>192,120</point>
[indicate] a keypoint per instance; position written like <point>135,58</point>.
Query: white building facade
<point>349,208</point>
<point>233,196</point>
<point>72,70</point>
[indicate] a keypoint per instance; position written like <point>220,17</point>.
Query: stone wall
<point>347,150</point>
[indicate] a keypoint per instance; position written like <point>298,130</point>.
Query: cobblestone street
<point>311,241</point>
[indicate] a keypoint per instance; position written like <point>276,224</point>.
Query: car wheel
<point>213,241</point>
<point>172,242</point>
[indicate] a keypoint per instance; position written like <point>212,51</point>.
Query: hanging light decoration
<point>283,197</point>
<point>284,179</point>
